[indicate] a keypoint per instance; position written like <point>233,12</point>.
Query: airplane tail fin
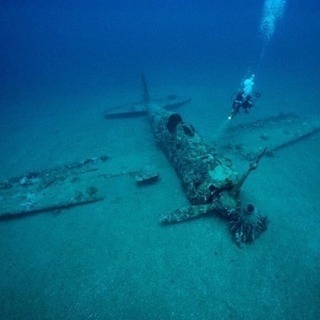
<point>145,91</point>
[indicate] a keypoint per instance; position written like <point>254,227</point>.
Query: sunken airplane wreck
<point>170,102</point>
<point>206,171</point>
<point>211,184</point>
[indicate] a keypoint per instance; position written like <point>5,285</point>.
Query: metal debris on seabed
<point>146,176</point>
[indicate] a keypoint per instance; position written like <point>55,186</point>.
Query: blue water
<point>68,47</point>
<point>62,64</point>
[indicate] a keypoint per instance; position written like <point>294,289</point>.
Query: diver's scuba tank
<point>244,94</point>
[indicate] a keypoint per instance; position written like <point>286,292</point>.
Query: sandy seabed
<point>112,260</point>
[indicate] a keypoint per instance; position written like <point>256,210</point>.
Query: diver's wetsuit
<point>241,101</point>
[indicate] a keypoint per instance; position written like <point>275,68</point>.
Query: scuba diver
<point>244,99</point>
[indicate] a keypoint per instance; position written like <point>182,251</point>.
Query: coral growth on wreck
<point>247,225</point>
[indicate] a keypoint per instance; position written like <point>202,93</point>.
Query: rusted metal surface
<point>211,183</point>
